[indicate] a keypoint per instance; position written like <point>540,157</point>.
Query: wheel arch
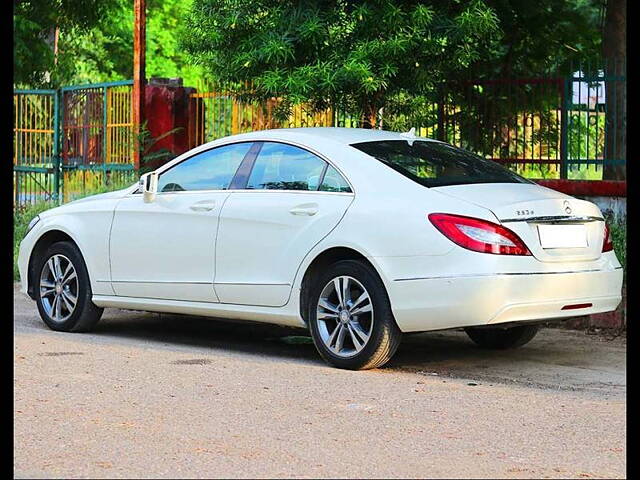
<point>47,239</point>
<point>323,260</point>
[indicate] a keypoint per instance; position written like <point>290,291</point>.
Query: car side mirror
<point>149,184</point>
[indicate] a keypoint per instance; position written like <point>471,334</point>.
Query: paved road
<point>150,395</point>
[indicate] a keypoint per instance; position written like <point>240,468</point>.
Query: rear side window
<point>209,170</point>
<point>334,182</point>
<point>435,164</point>
<point>285,167</point>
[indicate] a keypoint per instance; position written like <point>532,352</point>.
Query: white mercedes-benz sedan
<point>358,235</point>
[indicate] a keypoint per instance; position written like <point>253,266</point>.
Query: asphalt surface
<point>148,395</point>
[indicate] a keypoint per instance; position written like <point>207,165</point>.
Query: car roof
<point>346,136</point>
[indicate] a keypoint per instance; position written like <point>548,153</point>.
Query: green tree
<point>542,37</point>
<point>364,53</point>
<point>98,46</point>
<point>106,52</point>
<point>35,23</point>
<point>614,48</point>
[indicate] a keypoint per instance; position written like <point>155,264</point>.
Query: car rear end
<point>542,255</point>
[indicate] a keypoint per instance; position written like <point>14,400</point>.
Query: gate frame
<point>55,168</point>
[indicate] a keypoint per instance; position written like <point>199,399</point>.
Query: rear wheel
<point>63,291</point>
<point>350,317</point>
<point>502,338</point>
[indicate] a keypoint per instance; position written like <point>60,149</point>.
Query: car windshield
<point>436,164</point>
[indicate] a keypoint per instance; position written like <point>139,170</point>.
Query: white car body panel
<point>246,259</point>
<point>258,269</point>
<point>171,256</point>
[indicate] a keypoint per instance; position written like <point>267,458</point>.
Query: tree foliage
<point>541,37</point>
<point>361,52</point>
<point>34,24</point>
<point>95,41</point>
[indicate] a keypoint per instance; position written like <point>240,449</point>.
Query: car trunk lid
<point>554,226</point>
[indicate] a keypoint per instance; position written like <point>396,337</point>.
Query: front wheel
<point>63,290</point>
<point>502,338</point>
<point>350,317</point>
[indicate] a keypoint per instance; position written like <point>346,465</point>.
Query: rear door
<point>291,200</point>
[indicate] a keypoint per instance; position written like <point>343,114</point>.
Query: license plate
<point>563,236</point>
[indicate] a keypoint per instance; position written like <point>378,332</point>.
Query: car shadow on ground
<point>446,352</point>
<point>555,356</point>
<point>267,339</point>
<point>207,333</point>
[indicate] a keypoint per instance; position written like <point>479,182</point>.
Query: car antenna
<point>410,136</point>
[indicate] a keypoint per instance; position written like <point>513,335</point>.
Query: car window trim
<point>244,189</point>
<point>241,177</point>
<point>324,172</point>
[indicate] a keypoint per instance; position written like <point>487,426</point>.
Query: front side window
<point>435,164</point>
<point>285,167</point>
<point>210,170</point>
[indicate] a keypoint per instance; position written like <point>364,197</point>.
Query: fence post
<point>564,127</point>
<point>56,144</point>
<point>440,114</point>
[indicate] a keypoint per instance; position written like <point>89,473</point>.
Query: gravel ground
<point>149,395</point>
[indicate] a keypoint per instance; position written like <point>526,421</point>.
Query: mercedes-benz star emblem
<point>567,207</point>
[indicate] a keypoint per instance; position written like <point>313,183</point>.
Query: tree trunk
<point>615,52</point>
<point>369,116</point>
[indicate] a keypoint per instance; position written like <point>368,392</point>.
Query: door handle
<point>204,206</point>
<point>308,209</point>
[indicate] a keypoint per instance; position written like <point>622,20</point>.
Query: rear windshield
<point>435,164</point>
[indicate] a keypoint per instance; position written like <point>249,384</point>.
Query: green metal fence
<point>72,141</point>
<point>571,126</point>
<point>36,158</point>
<point>79,139</point>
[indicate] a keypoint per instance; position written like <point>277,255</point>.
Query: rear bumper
<point>451,302</point>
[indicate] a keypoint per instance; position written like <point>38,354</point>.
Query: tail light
<point>479,235</point>
<point>607,244</point>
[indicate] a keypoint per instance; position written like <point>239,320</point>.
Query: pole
<point>137,95</point>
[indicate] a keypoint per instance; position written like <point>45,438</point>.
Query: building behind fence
<point>79,139</point>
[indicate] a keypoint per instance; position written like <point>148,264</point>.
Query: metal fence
<point>547,127</point>
<point>79,139</point>
<point>71,141</point>
<point>35,146</point>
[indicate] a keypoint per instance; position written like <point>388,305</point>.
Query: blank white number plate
<point>563,236</point>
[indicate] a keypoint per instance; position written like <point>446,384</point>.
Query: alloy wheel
<point>345,316</point>
<point>59,288</point>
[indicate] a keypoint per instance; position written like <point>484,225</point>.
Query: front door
<point>166,249</point>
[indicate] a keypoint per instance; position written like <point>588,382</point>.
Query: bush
<point>619,234</point>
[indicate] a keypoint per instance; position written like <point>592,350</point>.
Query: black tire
<point>384,337</point>
<point>85,314</point>
<point>502,338</point>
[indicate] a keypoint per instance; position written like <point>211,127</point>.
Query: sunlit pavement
<point>148,395</point>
